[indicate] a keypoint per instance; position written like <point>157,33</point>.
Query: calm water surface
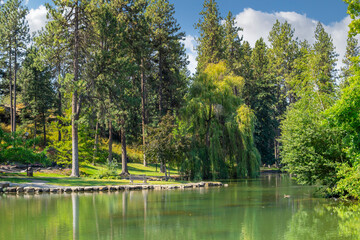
<point>247,209</point>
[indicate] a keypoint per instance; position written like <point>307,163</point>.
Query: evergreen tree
<point>232,44</point>
<point>54,51</point>
<point>37,90</point>
<point>14,35</point>
<point>352,50</point>
<point>323,61</point>
<point>262,101</point>
<point>70,21</point>
<point>282,54</point>
<point>210,48</point>
<point>246,72</point>
<point>169,60</point>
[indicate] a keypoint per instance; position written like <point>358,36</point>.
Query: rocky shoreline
<point>9,188</point>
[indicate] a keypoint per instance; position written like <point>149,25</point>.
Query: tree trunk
<point>143,107</point>
<point>165,171</point>
<point>123,148</point>
<point>15,75</point>
<point>11,90</point>
<point>110,142</point>
<point>75,108</point>
<point>60,104</point>
<point>208,128</point>
<point>34,133</point>
<point>44,122</point>
<point>162,167</point>
<point>96,142</point>
<point>160,85</point>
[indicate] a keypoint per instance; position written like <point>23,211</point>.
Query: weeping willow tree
<point>221,126</point>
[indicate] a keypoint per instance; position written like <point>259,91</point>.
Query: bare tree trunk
<point>60,103</point>
<point>143,107</point>
<point>11,91</point>
<point>123,148</point>
<point>96,141</point>
<point>15,75</point>
<point>110,142</point>
<point>75,108</point>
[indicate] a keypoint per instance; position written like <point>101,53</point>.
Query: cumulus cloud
<point>190,44</point>
<point>37,18</point>
<point>258,24</point>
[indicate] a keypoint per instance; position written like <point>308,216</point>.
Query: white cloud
<point>190,43</point>
<point>26,2</point>
<point>37,18</point>
<point>258,24</point>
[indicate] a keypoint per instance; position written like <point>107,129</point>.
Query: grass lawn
<point>69,181</point>
<point>61,177</point>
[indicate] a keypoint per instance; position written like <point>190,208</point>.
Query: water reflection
<point>248,209</point>
<point>75,212</point>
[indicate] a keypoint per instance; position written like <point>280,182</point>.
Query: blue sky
<point>325,11</point>
<point>256,17</point>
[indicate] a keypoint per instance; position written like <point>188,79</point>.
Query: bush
<point>16,148</point>
<point>110,172</point>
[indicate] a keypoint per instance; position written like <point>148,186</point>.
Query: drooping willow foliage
<point>221,126</point>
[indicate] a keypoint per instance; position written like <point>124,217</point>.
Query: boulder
<point>29,189</point>
<point>4,184</point>
<point>103,188</point>
<point>19,189</point>
<point>11,189</point>
<point>88,189</point>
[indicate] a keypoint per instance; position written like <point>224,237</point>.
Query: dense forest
<point>105,72</point>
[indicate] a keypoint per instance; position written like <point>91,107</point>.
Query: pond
<point>247,209</point>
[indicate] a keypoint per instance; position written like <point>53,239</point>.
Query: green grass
<point>61,178</point>
<point>69,181</point>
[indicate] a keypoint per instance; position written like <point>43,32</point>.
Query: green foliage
<point>16,148</point>
<point>221,127</point>
<point>110,172</point>
<point>61,151</point>
<point>311,149</point>
<point>167,142</point>
<point>211,35</point>
<point>344,116</point>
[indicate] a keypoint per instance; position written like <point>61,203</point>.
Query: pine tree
<point>246,72</point>
<point>232,44</point>
<point>262,102</point>
<point>14,35</point>
<point>323,61</point>
<point>70,21</point>
<point>352,50</point>
<point>210,48</point>
<point>37,90</point>
<point>282,54</point>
